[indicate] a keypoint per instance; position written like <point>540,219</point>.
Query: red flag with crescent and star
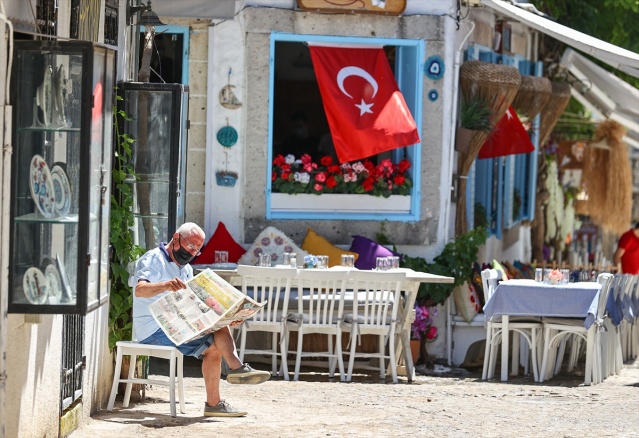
<point>509,138</point>
<point>366,112</point>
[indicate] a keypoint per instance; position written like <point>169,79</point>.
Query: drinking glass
<point>392,262</point>
<point>348,260</point>
<point>265,260</point>
<point>539,275</point>
<point>286,259</point>
<point>381,264</point>
<point>566,276</point>
<point>322,261</point>
<point>546,273</point>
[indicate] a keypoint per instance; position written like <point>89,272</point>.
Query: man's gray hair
<point>189,229</point>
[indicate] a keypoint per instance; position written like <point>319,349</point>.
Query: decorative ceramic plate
<point>59,102</point>
<point>41,186</point>
<point>227,136</point>
<point>54,283</point>
<point>44,95</point>
<point>61,190</point>
<point>34,284</point>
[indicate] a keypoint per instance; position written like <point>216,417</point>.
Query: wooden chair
<point>320,304</point>
<point>376,303</point>
<point>272,285</point>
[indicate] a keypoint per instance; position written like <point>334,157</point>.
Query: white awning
<point>210,9</point>
<point>617,57</point>
<point>604,94</point>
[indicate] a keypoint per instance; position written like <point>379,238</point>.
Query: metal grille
<point>47,16</point>
<point>73,360</point>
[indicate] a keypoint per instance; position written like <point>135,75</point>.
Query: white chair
<point>320,305</point>
<point>376,303</point>
<point>529,329</point>
<point>135,349</point>
<point>557,329</point>
<point>272,285</point>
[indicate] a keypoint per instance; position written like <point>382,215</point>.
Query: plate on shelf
<point>41,186</point>
<point>61,190</point>
<point>34,285</point>
<point>54,281</point>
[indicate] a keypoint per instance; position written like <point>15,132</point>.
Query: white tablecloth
<point>529,298</point>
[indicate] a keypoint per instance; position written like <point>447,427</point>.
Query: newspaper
<point>206,305</point>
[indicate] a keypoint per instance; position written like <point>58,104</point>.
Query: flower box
<point>343,203</point>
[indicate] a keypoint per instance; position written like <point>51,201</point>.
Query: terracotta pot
<point>415,345</point>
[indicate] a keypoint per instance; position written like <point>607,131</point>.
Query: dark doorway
<point>166,58</point>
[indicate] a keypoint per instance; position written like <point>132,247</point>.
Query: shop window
<point>298,125</point>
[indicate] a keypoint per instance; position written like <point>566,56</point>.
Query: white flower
<point>359,167</point>
<point>302,177</point>
<point>290,159</point>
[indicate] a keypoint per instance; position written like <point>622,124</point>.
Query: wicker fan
<point>497,86</point>
<point>556,105</point>
<point>532,96</point>
<point>608,180</point>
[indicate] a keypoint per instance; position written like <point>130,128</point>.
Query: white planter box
<point>332,202</point>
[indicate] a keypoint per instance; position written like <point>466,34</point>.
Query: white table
<point>529,298</point>
<point>410,286</point>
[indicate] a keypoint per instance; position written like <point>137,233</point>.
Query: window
<point>501,191</point>
<point>298,125</point>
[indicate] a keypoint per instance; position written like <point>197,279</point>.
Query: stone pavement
<point>454,403</point>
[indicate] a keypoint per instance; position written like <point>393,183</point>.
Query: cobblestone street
<point>451,404</point>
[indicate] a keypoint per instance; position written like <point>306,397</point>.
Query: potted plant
<point>226,178</point>
<point>474,116</point>
<point>422,331</point>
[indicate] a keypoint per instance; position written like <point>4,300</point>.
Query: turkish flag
<point>509,137</point>
<point>366,112</point>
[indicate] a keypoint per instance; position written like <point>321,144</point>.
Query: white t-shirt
<point>154,266</point>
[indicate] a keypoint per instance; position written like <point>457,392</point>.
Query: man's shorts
<point>194,348</point>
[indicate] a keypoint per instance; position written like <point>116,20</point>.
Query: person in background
<point>627,253</point>
<point>164,270</point>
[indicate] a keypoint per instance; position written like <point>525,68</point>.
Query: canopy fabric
<point>605,94</point>
<point>222,9</point>
<point>617,57</point>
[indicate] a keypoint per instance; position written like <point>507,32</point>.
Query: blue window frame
<point>504,187</point>
<point>409,60</point>
<point>182,31</point>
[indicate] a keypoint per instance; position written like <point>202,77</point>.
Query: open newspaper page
<point>206,305</point>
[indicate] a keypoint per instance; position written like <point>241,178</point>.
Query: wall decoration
<point>434,68</point>
<point>227,98</point>
<point>34,285</point>
<point>385,7</point>
<point>433,95</point>
<point>227,136</point>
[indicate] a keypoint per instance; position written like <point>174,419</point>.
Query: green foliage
<point>475,114</point>
<point>125,251</point>
<point>456,260</point>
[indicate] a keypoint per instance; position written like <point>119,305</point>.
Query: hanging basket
<point>557,103</point>
<point>532,96</point>
<point>226,179</point>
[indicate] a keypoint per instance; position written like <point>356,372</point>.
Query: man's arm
<point>618,254</point>
<point>145,289</point>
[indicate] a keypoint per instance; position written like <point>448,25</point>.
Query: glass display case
<point>158,121</point>
<point>62,97</point>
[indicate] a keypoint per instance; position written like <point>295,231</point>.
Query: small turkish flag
<point>366,112</point>
<point>509,138</point>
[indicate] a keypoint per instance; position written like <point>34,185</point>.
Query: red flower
<point>273,176</point>
<point>368,165</point>
<point>306,159</point>
<point>318,187</point>
<point>367,184</point>
<point>326,161</point>
<point>399,180</point>
<point>404,165</point>
<point>286,175</point>
<point>334,169</point>
<point>330,182</point>
<point>279,160</point>
<point>285,167</point>
<point>320,177</point>
<point>431,333</point>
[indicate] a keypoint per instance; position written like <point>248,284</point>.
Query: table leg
<point>504,348</point>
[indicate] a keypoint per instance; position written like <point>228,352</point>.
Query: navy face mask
<point>181,255</point>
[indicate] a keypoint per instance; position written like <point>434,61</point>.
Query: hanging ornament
<point>227,97</point>
<point>227,136</point>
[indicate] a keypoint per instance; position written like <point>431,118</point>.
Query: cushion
<point>318,245</point>
<point>467,301</point>
<point>274,242</point>
<point>499,267</point>
<point>221,240</point>
<point>368,251</point>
